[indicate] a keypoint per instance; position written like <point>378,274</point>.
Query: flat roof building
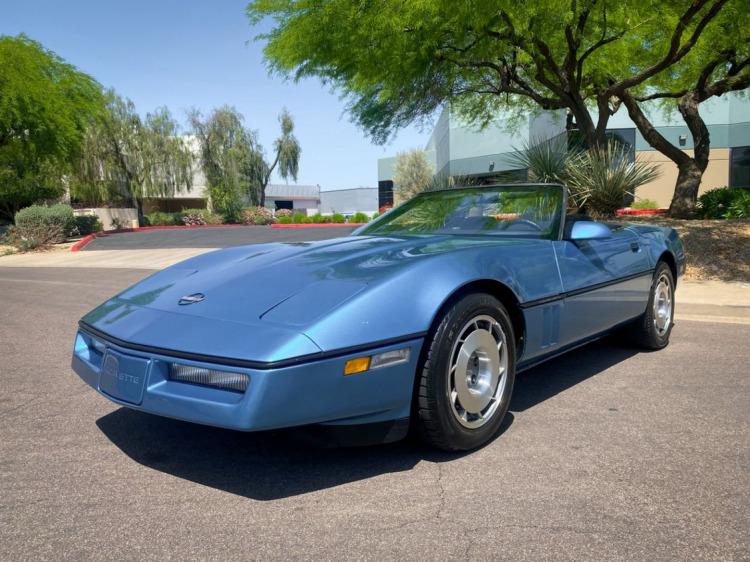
<point>456,148</point>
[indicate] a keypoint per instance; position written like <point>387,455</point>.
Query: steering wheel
<point>526,222</point>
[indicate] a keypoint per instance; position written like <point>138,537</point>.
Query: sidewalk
<point>700,301</point>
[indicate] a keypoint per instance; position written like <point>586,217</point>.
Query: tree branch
<point>676,50</point>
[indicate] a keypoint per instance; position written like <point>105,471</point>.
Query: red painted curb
<point>83,242</point>
<point>640,212</point>
<point>317,225</point>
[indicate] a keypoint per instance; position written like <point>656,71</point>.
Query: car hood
<point>277,289</point>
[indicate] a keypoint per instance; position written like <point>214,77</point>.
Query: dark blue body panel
<point>290,315</point>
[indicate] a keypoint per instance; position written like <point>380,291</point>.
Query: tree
<point>719,64</point>
<point>45,106</point>
<point>412,174</point>
<point>287,155</point>
<point>398,62</point>
<point>128,158</point>
<point>231,158</point>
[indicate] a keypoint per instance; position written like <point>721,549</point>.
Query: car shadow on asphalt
<point>278,464</point>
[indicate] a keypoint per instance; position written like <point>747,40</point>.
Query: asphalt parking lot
<point>207,237</point>
<point>607,454</point>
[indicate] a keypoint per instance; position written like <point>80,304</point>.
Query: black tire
<point>646,331</point>
<point>437,420</point>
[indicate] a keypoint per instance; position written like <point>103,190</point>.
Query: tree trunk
<point>690,173</point>
<point>686,190</point>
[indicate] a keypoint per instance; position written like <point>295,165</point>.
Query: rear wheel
<point>467,376</point>
<point>652,330</point>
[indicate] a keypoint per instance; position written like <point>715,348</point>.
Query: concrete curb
<point>83,242</point>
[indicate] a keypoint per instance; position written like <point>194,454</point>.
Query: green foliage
<point>86,224</point>
<point>45,106</point>
<point>545,159</point>
<point>398,62</point>
<point>724,203</point>
<point>600,179</point>
<point>39,225</point>
<point>645,204</point>
<point>284,220</point>
<point>206,216</point>
<point>127,158</point>
<point>231,158</point>
<point>338,218</point>
<point>412,174</point>
<point>359,217</point>
<point>300,218</point>
<point>159,218</point>
<point>257,216</point>
<point>739,208</point>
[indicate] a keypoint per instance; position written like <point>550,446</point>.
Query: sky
<point>185,54</point>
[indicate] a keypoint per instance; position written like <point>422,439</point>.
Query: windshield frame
<point>495,186</point>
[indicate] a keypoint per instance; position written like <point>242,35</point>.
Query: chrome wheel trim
<point>477,373</point>
<point>662,305</point>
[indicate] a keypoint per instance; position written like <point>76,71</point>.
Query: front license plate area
<point>123,376</point>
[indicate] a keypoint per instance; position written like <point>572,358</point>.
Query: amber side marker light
<point>378,361</point>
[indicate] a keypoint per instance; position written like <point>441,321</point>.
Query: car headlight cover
<point>226,380</point>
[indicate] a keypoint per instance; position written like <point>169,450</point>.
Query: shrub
<point>158,218</point>
<point>724,203</point>
<point>193,219</point>
<point>739,208</point>
<point>299,218</point>
<point>359,217</point>
<point>39,226</point>
<point>338,218</point>
<point>374,216</point>
<point>205,215</point>
<point>257,216</point>
<point>645,204</point>
<point>283,213</point>
<point>86,224</point>
<point>118,223</point>
<point>599,180</point>
<point>285,220</point>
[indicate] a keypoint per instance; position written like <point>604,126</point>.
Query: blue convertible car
<point>421,318</point>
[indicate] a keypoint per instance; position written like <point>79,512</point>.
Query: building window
<point>385,193</point>
<point>739,167</point>
<point>281,204</point>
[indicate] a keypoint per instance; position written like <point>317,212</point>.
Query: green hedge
<point>39,225</point>
<point>359,217</point>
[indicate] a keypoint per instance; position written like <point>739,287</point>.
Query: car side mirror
<point>589,230</point>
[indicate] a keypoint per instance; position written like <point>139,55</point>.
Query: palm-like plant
<point>545,159</point>
<point>599,179</point>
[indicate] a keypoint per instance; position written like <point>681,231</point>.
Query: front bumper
<point>301,394</point>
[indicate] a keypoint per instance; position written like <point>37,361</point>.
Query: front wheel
<point>466,379</point>
<point>652,330</point>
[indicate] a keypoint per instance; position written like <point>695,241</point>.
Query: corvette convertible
<point>418,320</point>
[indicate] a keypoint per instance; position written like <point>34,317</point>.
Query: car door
<point>605,281</point>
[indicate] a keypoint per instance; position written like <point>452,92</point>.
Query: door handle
<point>635,246</point>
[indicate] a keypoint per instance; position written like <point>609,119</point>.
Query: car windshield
<point>517,211</point>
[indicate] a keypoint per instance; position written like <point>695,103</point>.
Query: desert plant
<point>193,219</point>
<point>412,173</point>
<point>545,159</point>
<point>257,216</point>
<point>599,180</point>
<point>47,225</point>
<point>283,213</point>
<point>359,217</point>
